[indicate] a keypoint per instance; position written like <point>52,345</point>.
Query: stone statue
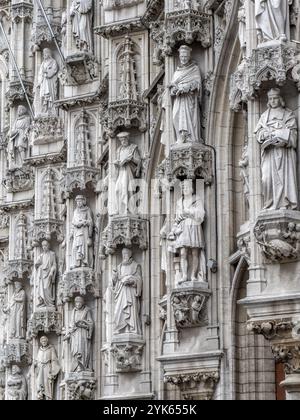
<point>82,234</point>
<point>48,368</point>
<point>278,135</point>
<point>80,335</point>
<point>47,84</point>
<point>46,269</point>
<point>242,27</point>
<point>244,165</point>
<point>127,287</point>
<point>82,14</point>
<point>18,139</point>
<point>196,308</point>
<point>17,312</point>
<point>186,88</point>
<point>16,385</point>
<point>128,166</point>
<point>187,235</point>
<point>272,19</point>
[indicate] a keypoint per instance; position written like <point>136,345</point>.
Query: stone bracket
<point>80,386</point>
<point>127,353</point>
<point>44,321</point>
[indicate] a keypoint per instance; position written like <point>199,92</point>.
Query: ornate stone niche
<point>194,384</point>
<point>17,351</point>
<point>78,281</point>
<point>190,161</point>
<point>126,231</point>
<point>80,386</point>
<point>22,11</point>
<point>19,179</point>
<point>47,129</point>
<point>278,234</point>
<point>41,33</point>
<point>189,304</point>
<point>44,321</point>
<point>15,93</point>
<point>127,353</point>
<point>80,68</point>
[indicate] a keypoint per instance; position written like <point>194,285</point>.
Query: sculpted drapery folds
<point>272,19</point>
<point>18,139</point>
<point>46,268</point>
<point>47,369</point>
<point>186,89</point>
<point>17,312</point>
<point>47,84</point>
<point>16,385</point>
<point>82,234</point>
<point>127,287</point>
<point>82,14</point>
<point>128,165</point>
<point>277,134</point>
<point>80,335</point>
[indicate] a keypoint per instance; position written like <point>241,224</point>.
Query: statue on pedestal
<point>47,370</point>
<point>18,139</point>
<point>47,84</point>
<point>46,269</point>
<point>272,19</point>
<point>82,14</point>
<point>17,312</point>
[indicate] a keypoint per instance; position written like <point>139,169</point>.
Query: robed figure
<point>128,166</point>
<point>82,233</point>
<point>278,135</point>
<point>47,84</point>
<point>17,312</point>
<point>127,287</point>
<point>16,385</point>
<point>82,15</point>
<point>46,268</point>
<point>80,335</point>
<point>18,139</point>
<point>272,19</point>
<point>186,90</point>
<point>47,369</point>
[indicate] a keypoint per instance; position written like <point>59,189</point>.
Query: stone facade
<point>149,199</point>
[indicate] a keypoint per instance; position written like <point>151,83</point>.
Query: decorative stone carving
<point>17,312</point>
<point>19,179</point>
<point>127,284</point>
<point>46,88</point>
<point>81,386</point>
<point>271,329</point>
<point>289,355</point>
<point>47,129</point>
<point>80,335</point>
<point>47,369</point>
<point>128,355</point>
<point>15,93</point>
<point>44,321</point>
<point>46,269</point>
<point>197,384</point>
<point>81,14</point>
<point>242,26</point>
<point>190,306</point>
<point>18,139</point>
<point>80,68</point>
<point>278,234</point>
<point>16,385</point>
<point>41,34</point>
<point>81,235</point>
<point>190,160</point>
<point>272,19</point>
<point>277,133</point>
<point>119,29</point>
<point>18,269</point>
<point>17,351</point>
<point>243,244</point>
<point>128,166</point>
<point>119,4</point>
<point>81,280</point>
<point>244,165</point>
<point>126,114</point>
<point>127,231</point>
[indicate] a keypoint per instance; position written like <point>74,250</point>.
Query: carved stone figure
<point>242,26</point>
<point>17,312</point>
<point>82,234</point>
<point>46,268</point>
<point>80,335</point>
<point>47,84</point>
<point>18,139</point>
<point>181,310</point>
<point>47,369</point>
<point>277,134</point>
<point>128,85</point>
<point>127,287</point>
<point>187,235</point>
<point>128,166</point>
<point>186,90</point>
<point>16,385</point>
<point>244,165</point>
<point>82,14</point>
<point>272,19</point>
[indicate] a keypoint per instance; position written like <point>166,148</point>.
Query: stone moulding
<point>17,351</point>
<point>47,129</point>
<point>118,29</point>
<point>127,113</point>
<point>271,329</point>
<point>125,231</point>
<point>45,229</point>
<point>44,321</point>
<point>18,269</point>
<point>80,386</point>
<point>189,160</point>
<point>278,235</point>
<point>127,353</point>
<point>79,178</point>
<point>79,281</point>
<point>119,4</point>
<point>189,304</point>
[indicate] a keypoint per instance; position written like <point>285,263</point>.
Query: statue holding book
<point>277,133</point>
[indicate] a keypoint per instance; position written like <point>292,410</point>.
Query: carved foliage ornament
<point>271,329</point>
<point>289,355</point>
<point>189,308</point>
<point>128,357</point>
